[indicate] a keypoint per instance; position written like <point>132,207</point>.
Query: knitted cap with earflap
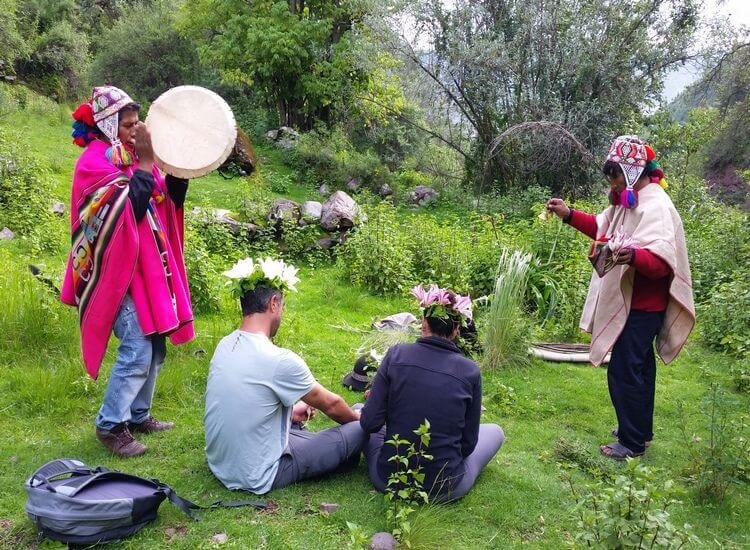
<point>630,153</point>
<point>106,102</point>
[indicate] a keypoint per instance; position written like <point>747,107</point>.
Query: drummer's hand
<point>143,147</point>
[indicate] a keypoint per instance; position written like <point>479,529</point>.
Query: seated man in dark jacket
<point>431,379</point>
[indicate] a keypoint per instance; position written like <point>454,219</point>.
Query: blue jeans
<point>131,383</point>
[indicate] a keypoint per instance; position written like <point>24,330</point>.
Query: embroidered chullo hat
<point>629,152</point>
<point>102,111</point>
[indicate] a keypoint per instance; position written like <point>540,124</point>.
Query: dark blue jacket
<point>430,379</point>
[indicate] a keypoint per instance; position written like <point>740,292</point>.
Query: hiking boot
<point>120,441</point>
<point>151,425</point>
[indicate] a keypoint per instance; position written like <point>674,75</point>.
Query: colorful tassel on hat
<point>628,198</point>
<point>118,155</point>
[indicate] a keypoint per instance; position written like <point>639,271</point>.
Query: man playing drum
<point>126,271</point>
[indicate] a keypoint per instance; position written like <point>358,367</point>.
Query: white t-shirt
<point>252,386</point>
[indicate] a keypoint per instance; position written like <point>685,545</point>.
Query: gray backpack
<point>71,503</point>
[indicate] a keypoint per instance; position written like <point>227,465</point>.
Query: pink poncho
<point>113,254</point>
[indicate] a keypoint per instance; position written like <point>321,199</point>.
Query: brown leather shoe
<point>120,441</point>
<point>151,425</point>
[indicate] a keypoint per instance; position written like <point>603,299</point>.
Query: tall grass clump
<point>506,335</point>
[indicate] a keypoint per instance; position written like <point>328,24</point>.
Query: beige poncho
<point>655,225</point>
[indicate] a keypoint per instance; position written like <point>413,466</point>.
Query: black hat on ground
<point>358,379</point>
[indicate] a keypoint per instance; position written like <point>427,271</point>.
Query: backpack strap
<point>57,468</point>
<point>188,506</point>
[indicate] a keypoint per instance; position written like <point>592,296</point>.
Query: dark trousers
<point>631,376</point>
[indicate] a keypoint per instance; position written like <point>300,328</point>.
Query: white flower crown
<point>246,274</point>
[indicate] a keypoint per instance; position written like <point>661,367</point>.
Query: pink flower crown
<point>442,303</point>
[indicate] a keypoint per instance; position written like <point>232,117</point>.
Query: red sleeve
<point>583,222</point>
<point>649,264</point>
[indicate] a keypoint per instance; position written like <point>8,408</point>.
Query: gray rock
<point>58,208</point>
<point>311,210</point>
<point>272,135</point>
<point>328,507</point>
<point>246,230</point>
<point>284,209</point>
<point>423,195</point>
<point>324,190</point>
<point>285,132</point>
<point>382,541</point>
<point>353,185</point>
<point>385,190</point>
<point>327,243</point>
<point>339,212</point>
<point>7,235</point>
<point>10,79</point>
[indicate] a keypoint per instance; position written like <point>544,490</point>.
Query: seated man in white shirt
<point>256,390</point>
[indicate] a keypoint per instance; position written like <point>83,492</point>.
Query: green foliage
<point>358,539</point>
<point>405,487</point>
<point>143,53</point>
<point>628,512</point>
<point>301,243</point>
<point>377,255</point>
<point>202,274</point>
<point>588,65</point>
<point>505,327</point>
<point>295,55</point>
<point>725,316</point>
<point>330,157</point>
<point>681,147</point>
<point>572,453</point>
<point>25,195</point>
<point>58,62</point>
<point>440,252</point>
<point>741,378</point>
<point>719,449</point>
<point>32,315</point>
<point>12,44</point>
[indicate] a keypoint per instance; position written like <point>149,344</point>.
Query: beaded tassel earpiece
<point>116,153</point>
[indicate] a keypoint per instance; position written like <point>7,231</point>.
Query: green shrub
<point>725,316</point>
<point>202,275</point>
<point>301,243</point>
<point>559,276</point>
<point>330,157</point>
<point>59,62</point>
<point>488,236</point>
<point>717,237</point>
<point>628,512</point>
<point>440,250</point>
<point>25,195</point>
<point>157,60</point>
<point>741,378</point>
<point>719,448</point>
<point>377,256</point>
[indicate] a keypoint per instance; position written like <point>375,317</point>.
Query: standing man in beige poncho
<point>645,291</point>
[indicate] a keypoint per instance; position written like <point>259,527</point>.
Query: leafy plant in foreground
<point>629,512</point>
<point>405,487</point>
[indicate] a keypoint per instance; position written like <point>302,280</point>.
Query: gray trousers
<point>310,455</point>
<point>491,437</point>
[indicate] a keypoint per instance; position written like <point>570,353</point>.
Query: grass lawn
<point>47,407</point>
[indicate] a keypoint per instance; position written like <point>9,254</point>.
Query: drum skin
<point>193,131</point>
